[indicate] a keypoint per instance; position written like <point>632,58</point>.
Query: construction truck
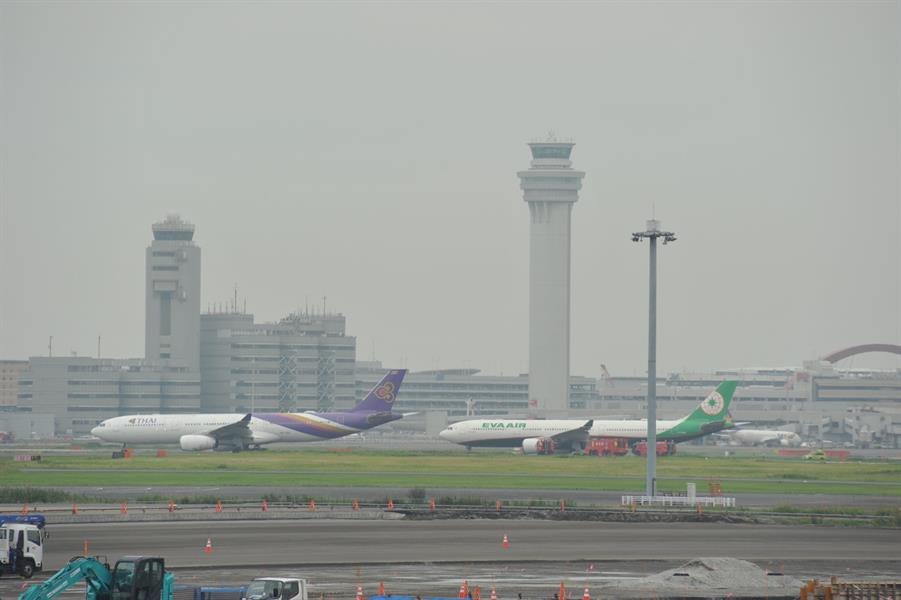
<point>21,546</point>
<point>33,519</point>
<point>276,588</point>
<point>133,578</point>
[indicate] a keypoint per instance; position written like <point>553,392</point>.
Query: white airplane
<point>238,432</point>
<point>535,435</point>
<point>761,437</point>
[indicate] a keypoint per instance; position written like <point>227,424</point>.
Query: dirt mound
<point>702,577</point>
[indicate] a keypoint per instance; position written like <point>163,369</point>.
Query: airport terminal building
<point>303,362</point>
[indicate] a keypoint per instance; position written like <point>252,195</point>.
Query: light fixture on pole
<point>652,233</point>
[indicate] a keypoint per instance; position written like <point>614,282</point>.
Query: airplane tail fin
<point>381,397</point>
<point>715,407</point>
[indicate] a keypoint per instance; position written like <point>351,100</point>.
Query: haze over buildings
<point>368,153</point>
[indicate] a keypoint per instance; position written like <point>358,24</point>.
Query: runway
<point>328,542</point>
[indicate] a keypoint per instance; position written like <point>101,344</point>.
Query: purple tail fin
<point>381,397</point>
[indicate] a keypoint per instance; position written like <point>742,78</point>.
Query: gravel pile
<point>710,577</point>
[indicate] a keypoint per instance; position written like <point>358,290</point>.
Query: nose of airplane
<point>445,434</point>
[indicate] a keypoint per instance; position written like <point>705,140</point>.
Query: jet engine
<point>790,441</point>
<point>197,442</point>
<point>538,446</point>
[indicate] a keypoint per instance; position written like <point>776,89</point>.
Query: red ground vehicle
<point>664,448</point>
<point>603,446</point>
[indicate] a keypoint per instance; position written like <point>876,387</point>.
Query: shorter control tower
<point>172,301</point>
<point>551,187</point>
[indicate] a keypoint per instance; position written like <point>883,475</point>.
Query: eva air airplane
<point>533,434</point>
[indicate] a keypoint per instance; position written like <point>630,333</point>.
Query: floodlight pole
<point>652,233</point>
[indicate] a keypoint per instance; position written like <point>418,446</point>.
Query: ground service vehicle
<point>280,588</point>
<point>602,446</point>
<point>134,578</point>
<point>21,549</point>
<point>664,448</point>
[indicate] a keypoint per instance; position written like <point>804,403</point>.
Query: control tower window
<point>166,313</point>
<point>551,151</point>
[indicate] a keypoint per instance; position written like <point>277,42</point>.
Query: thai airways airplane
<point>238,432</point>
<point>532,434</point>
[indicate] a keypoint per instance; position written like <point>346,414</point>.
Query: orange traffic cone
<point>74,509</point>
<point>171,506</point>
<point>312,505</point>
<point>359,592</point>
<point>586,595</point>
<point>356,504</point>
<point>124,509</point>
<point>265,505</point>
<point>381,588</point>
<point>218,506</point>
<point>506,543</point>
<point>208,549</point>
<point>390,504</point>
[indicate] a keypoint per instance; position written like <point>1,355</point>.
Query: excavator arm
<point>94,573</point>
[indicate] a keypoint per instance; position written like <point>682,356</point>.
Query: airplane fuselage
<point>264,427</point>
<point>504,433</point>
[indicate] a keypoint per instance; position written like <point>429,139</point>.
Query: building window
<point>165,267</point>
<point>166,313</point>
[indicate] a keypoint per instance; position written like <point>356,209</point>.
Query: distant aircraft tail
<point>715,407</point>
<point>381,397</point>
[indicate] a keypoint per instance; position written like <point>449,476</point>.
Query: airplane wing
<point>237,430</point>
<point>579,434</point>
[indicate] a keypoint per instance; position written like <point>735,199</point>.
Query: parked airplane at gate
<point>764,437</point>
<point>238,432</point>
<point>532,434</point>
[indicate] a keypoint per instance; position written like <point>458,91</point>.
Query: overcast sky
<point>368,152</point>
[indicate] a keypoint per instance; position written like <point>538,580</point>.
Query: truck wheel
<point>27,570</point>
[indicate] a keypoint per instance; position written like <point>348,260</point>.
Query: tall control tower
<point>172,301</point>
<point>551,187</point>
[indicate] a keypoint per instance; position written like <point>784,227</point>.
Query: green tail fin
<point>715,407</point>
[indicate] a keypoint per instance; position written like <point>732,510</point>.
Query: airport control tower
<point>551,187</point>
<point>172,301</point>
